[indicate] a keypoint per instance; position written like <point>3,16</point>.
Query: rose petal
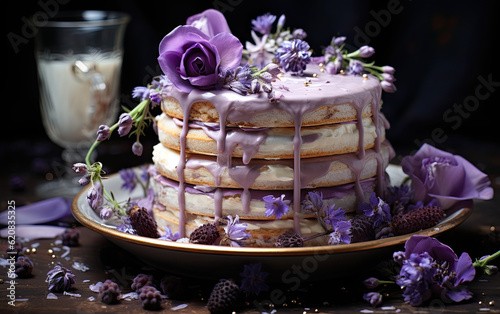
<point>181,36</point>
<point>229,48</point>
<point>210,22</point>
<point>169,63</point>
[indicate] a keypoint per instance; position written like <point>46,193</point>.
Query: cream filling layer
<point>322,140</point>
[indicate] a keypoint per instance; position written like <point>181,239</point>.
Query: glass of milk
<point>79,59</point>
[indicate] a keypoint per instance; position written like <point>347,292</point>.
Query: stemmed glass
<point>79,58</point>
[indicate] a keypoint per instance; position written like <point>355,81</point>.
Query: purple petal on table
<point>33,232</point>
<point>40,212</point>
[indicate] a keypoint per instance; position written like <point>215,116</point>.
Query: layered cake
<point>226,153</point>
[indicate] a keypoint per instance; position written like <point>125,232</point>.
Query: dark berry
<point>290,239</point>
<point>140,281</point>
<point>417,219</point>
<point>205,234</point>
<point>224,297</point>
<point>361,229</point>
<point>24,267</point>
<point>143,223</point>
<point>70,237</point>
<point>150,298</point>
<point>109,292</point>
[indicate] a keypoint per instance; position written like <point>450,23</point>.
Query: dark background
<point>439,49</point>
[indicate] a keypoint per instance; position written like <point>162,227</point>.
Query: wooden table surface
<point>479,235</point>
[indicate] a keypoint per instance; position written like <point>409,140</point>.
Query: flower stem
<point>485,261</point>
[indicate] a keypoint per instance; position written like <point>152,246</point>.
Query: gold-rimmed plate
<point>288,265</point>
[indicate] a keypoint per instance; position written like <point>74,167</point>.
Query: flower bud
<point>366,51</point>
<point>371,283</point>
<point>106,213</point>
<point>137,148</point>
<point>299,33</point>
<point>102,132</point>
<point>388,86</point>
<point>84,180</point>
<point>374,298</point>
<point>124,124</point>
<point>79,167</point>
<point>388,77</point>
<point>94,195</point>
<point>281,22</point>
<point>388,69</point>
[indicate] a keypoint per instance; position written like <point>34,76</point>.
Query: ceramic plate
<point>288,265</point>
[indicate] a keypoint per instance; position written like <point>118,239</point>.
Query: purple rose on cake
<point>436,174</point>
<point>192,55</point>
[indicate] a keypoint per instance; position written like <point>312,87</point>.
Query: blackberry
<point>417,219</point>
<point>143,223</point>
<point>361,229</point>
<point>109,292</point>
<point>150,298</point>
<point>70,237</point>
<point>140,281</point>
<point>224,297</point>
<point>289,239</point>
<point>24,267</point>
<point>205,234</point>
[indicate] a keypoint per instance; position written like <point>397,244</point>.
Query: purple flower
<point>436,174</point>
<point>333,216</point>
<point>141,92</point>
<point>238,79</point>
<point>432,268</point>
<point>388,69</point>
<point>293,55</point>
<point>94,195</point>
<point>338,41</point>
<point>377,209</point>
<point>341,233</point>
<point>126,227</point>
<point>313,202</point>
<point>155,96</point>
<point>263,23</point>
<point>253,279</point>
<point>374,298</point>
<point>169,235</point>
<point>235,232</point>
<point>102,132</point>
<point>276,206</point>
<point>60,279</point>
<point>79,167</point>
<point>129,179</point>
<point>192,58</point>
<point>355,67</point>
<point>137,148</point>
<point>106,213</point>
<point>299,33</point>
<point>366,51</point>
<point>371,283</point>
<point>124,124</point>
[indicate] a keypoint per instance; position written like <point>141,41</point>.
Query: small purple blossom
<point>60,279</point>
<point>263,23</point>
<point>79,167</point>
<point>126,227</point>
<point>376,208</point>
<point>388,69</point>
<point>374,298</point>
<point>341,233</point>
<point>293,55</point>
<point>129,179</point>
<point>141,92</point>
<point>313,202</point>
<point>124,124</point>
<point>371,283</point>
<point>155,96</point>
<point>276,206</point>
<point>102,133</point>
<point>94,195</point>
<point>334,216</point>
<point>169,235</point>
<point>235,232</point>
<point>137,148</point>
<point>299,33</point>
<point>253,279</point>
<point>338,41</point>
<point>355,67</point>
<point>388,87</point>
